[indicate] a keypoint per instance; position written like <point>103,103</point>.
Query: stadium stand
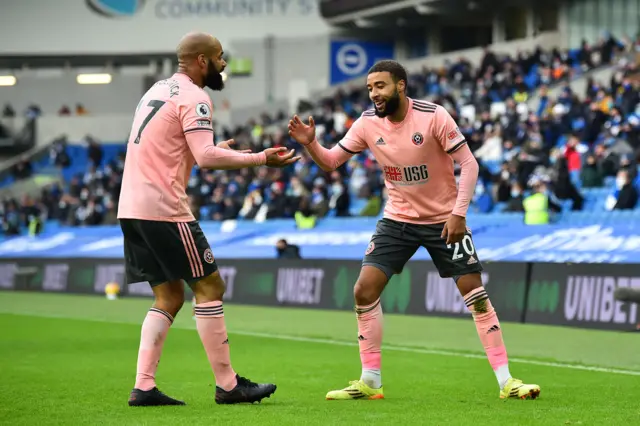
<point>582,146</point>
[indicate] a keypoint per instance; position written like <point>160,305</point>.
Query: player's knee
<point>170,303</point>
<point>365,293</point>
<point>370,284</point>
<point>468,282</point>
<point>169,296</point>
<point>210,288</point>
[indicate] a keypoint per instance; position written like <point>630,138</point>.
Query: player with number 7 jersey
<point>415,143</point>
<point>163,243</point>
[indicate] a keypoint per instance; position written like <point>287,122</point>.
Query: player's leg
<point>209,291</point>
<point>141,266</point>
<point>490,333</point>
<point>389,250</point>
<point>460,262</point>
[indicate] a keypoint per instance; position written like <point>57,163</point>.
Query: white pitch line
<point>441,352</point>
<point>408,349</point>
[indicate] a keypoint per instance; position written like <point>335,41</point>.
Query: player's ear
<point>401,86</point>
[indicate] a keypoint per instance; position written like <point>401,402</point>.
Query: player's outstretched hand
<point>227,145</point>
<point>276,158</point>
<point>302,133</point>
<point>454,229</point>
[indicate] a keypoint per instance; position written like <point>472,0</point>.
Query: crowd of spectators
<point>565,143</point>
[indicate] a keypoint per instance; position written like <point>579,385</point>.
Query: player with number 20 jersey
<point>415,143</point>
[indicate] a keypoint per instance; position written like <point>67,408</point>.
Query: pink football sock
<point>370,342</point>
<point>213,333</point>
<point>489,332</point>
<point>154,332</point>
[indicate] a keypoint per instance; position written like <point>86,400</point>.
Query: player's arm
<point>328,159</point>
<point>454,144</point>
<point>197,126</point>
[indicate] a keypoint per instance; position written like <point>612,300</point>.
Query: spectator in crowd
<point>33,111</point>
<point>516,199</point>
<point>81,110</point>
<point>8,111</point>
<point>58,153</point>
<point>64,111</point>
<point>563,187</point>
<point>22,169</point>
<point>482,200</point>
<point>10,218</point>
<point>287,251</point>
<point>538,206</point>
<point>95,151</point>
<point>305,219</point>
<point>627,195</point>
<point>591,175</point>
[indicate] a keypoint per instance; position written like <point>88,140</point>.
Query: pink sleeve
<point>196,116</point>
<point>209,156</point>
<point>468,178</point>
<point>330,159</point>
<point>327,159</point>
<point>446,131</point>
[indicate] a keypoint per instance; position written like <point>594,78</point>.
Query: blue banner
<point>348,239</point>
<point>351,59</point>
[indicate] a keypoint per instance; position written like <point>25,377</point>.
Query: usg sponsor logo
<point>590,299</point>
<point>115,8</point>
<point>55,277</point>
<point>442,294</point>
<point>409,175</point>
<point>299,285</point>
<point>228,274</point>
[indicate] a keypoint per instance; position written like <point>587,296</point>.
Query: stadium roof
<point>407,13</point>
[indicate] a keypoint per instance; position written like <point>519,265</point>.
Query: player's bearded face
<point>213,79</point>
<point>390,104</point>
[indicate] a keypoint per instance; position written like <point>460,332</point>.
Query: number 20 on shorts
<point>467,246</point>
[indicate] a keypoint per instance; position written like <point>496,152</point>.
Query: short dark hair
<point>397,71</point>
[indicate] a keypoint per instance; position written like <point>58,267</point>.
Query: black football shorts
<point>394,243</point>
<point>157,251</point>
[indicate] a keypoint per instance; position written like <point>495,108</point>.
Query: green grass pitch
<point>70,360</point>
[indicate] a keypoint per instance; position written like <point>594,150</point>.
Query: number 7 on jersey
<point>155,105</point>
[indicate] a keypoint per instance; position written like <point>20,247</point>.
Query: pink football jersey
<point>159,159</point>
<point>414,156</point>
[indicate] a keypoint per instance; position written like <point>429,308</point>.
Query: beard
<point>391,105</point>
<point>213,80</point>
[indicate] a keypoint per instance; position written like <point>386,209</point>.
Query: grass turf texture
<point>71,360</point>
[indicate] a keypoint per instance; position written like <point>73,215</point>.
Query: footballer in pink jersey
<point>416,143</point>
<point>163,243</point>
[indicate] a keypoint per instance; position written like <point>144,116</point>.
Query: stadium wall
<point>31,27</point>
<point>578,295</point>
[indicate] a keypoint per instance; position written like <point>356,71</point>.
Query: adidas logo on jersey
<point>472,260</point>
<point>380,142</point>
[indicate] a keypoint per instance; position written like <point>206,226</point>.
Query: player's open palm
<point>304,134</point>
<point>277,158</point>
